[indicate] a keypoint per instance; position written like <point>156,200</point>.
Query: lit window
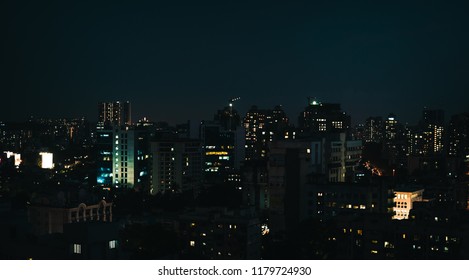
<point>112,244</point>
<point>192,243</point>
<point>77,248</point>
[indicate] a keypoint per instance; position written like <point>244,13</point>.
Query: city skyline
<point>60,60</point>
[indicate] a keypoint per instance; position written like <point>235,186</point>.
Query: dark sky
<point>179,60</point>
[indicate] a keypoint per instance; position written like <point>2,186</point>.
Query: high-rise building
<point>390,128</point>
<point>394,141</point>
<point>458,142</point>
<point>104,160</point>
<point>358,132</point>
<point>373,130</point>
<point>123,154</point>
<point>276,124</point>
<point>114,113</point>
<point>123,158</point>
<point>223,150</point>
<point>415,141</point>
<point>320,117</point>
<point>432,126</point>
<point>261,128</point>
<point>176,166</point>
<point>458,136</point>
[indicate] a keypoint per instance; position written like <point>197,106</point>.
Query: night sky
<point>179,60</point>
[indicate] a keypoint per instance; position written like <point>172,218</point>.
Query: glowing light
<point>47,160</point>
<point>216,153</point>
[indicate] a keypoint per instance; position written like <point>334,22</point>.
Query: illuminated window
<point>77,248</point>
<point>374,252</point>
<point>192,243</point>
<point>112,244</point>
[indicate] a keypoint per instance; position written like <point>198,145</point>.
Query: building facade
<point>176,166</point>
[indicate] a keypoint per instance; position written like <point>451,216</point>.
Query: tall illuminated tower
<point>115,144</point>
<point>433,126</point>
<point>114,113</point>
<point>262,127</point>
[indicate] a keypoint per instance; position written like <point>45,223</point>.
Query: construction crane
<point>233,100</point>
<point>230,103</point>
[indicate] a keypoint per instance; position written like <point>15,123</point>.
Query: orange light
<point>220,153</point>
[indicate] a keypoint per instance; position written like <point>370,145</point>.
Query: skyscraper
<point>261,128</point>
<point>114,113</point>
<point>121,158</point>
<point>373,130</point>
<point>177,166</point>
<point>223,150</point>
<point>433,128</point>
<point>458,136</point>
<point>115,143</point>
